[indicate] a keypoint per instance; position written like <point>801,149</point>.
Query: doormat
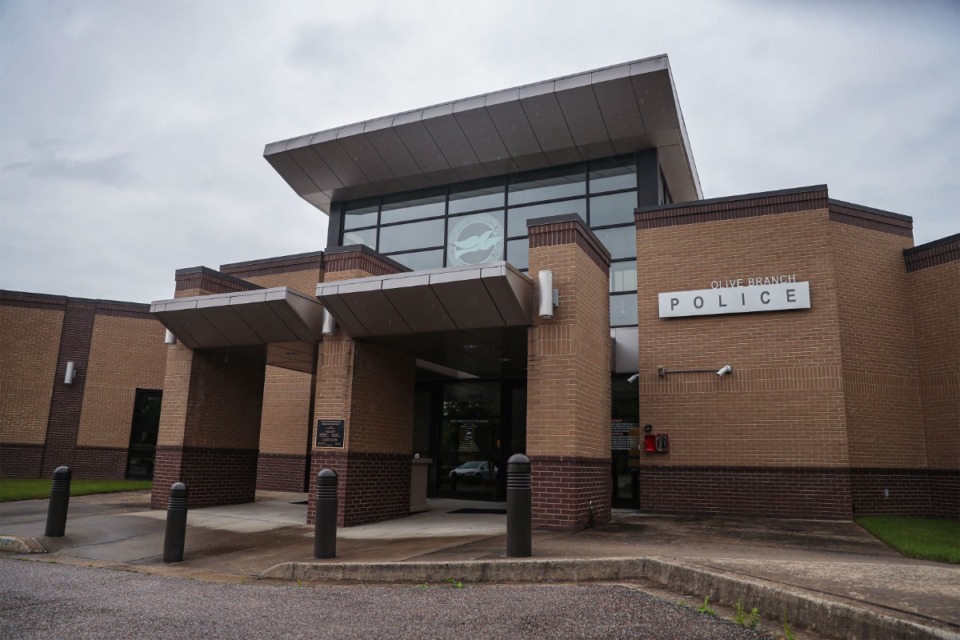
<point>501,512</point>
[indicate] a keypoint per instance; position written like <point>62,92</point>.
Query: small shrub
<point>706,608</point>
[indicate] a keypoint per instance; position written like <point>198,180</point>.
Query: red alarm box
<point>650,443</point>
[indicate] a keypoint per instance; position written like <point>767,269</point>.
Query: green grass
<point>924,538</point>
<point>37,488</point>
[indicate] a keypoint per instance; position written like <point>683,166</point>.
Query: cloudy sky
<point>132,131</point>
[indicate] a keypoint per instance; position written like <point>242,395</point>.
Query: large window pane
<point>518,253</point>
<point>360,214</point>
<point>420,259</point>
<point>517,218</point>
<point>623,309</point>
<point>546,185</point>
<point>367,237</point>
<point>621,241</point>
<point>401,210</point>
<point>418,235</point>
<point>476,198</point>
<point>475,239</point>
<point>616,208</point>
<point>608,175</point>
<point>623,276</point>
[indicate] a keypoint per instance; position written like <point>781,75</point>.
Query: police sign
<point>783,296</point>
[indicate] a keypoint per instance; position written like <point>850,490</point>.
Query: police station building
<point>534,270</point>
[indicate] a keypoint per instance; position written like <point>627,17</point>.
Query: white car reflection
<point>473,471</point>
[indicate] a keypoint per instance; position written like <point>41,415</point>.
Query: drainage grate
<point>501,512</point>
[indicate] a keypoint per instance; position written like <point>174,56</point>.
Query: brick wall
<point>126,354</point>
<point>29,344</point>
<point>783,404</point>
<point>213,475</point>
<point>371,389</point>
<point>787,492</point>
<point>878,353</point>
<point>934,286</point>
<point>285,430</point>
<point>568,380</point>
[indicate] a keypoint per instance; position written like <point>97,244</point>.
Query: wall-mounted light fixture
<point>663,371</point>
<point>549,297</point>
<point>169,338</point>
<point>71,372</point>
<point>329,323</point>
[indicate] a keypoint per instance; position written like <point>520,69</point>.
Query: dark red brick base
<point>100,463</point>
<point>747,491</point>
<point>282,472</point>
<point>213,476</point>
<point>570,493</point>
<point>910,492</point>
<point>21,460</point>
<point>370,486</point>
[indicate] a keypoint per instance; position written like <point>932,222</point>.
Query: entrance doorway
<point>143,434</point>
<point>625,438</point>
<point>470,428</point>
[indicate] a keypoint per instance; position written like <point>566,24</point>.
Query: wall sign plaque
<point>330,433</point>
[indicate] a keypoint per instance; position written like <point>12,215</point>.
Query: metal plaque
<point>330,433</point>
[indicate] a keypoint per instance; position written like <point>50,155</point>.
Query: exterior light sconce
<point>663,371</point>
<point>169,338</point>
<point>71,372</point>
<point>549,297</point>
<point>329,323</point>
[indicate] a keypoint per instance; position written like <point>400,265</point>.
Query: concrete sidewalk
<point>830,577</point>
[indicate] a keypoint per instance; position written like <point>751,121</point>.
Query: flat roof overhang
<point>471,319</point>
<point>277,326</point>
<point>611,111</point>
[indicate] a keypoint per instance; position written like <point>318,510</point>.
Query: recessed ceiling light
<point>470,346</point>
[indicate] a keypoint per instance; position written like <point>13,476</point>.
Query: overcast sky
<point>132,132</point>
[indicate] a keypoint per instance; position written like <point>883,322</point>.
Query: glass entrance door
<point>471,440</point>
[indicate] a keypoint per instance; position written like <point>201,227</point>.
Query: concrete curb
<point>802,608</point>
<point>17,544</point>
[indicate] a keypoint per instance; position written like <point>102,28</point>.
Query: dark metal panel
<point>365,156</point>
<point>456,149</point>
<point>485,141</point>
<point>318,170</point>
<point>203,333</point>
<point>580,109</point>
<point>416,138</point>
<point>379,316</point>
<point>291,172</point>
<point>421,309</point>
<point>654,93</point>
<point>341,163</point>
<point>394,153</point>
<point>268,326</point>
<point>621,114</point>
<point>343,315</point>
<point>468,303</point>
<point>550,127</point>
<point>229,324</point>
<point>517,135</point>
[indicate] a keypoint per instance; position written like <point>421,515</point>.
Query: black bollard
<point>59,502</point>
<point>519,507</point>
<point>173,540</point>
<point>325,526</point>
<point>635,486</point>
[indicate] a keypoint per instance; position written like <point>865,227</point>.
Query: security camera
<point>633,378</point>
<point>725,370</point>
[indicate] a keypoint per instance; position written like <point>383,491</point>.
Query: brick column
<point>284,461</point>
<point>210,419</point>
<point>568,379</point>
<point>371,389</point>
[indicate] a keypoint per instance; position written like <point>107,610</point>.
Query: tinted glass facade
<point>484,221</point>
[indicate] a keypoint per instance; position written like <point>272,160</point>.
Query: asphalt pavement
<point>826,578</point>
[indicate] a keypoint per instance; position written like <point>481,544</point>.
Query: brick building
<point>535,270</point>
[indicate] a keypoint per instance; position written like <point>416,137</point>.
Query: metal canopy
<point>605,112</point>
<point>472,319</point>
<point>278,326</point>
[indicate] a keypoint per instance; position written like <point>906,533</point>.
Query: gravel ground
<point>43,600</point>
